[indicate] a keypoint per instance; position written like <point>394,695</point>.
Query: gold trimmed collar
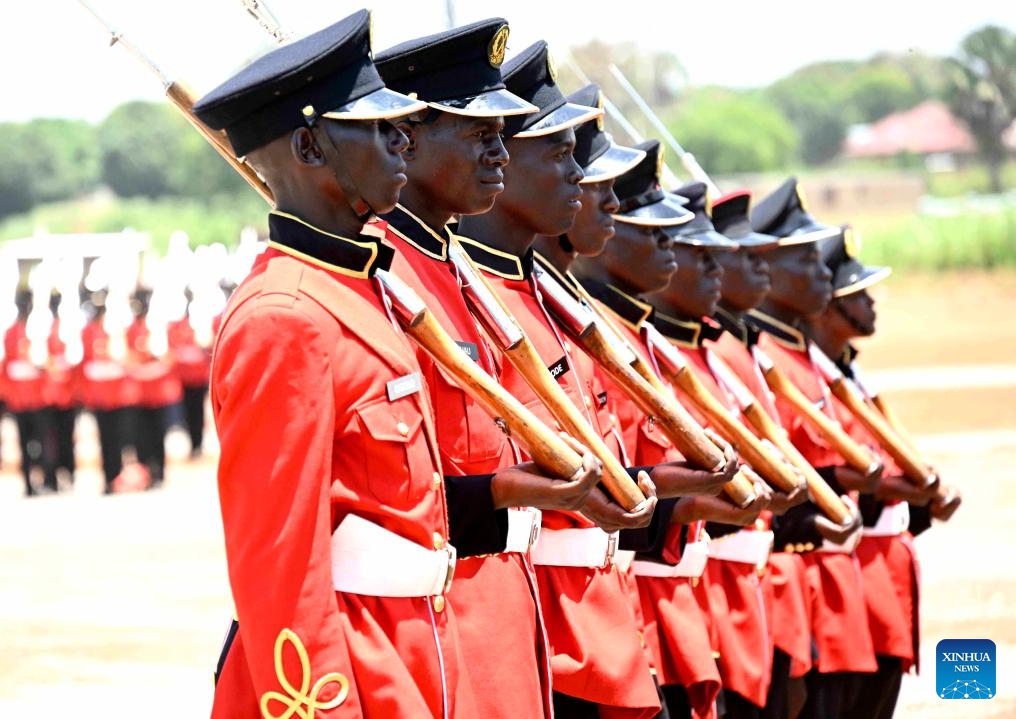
<point>742,329</point>
<point>632,312</point>
<point>781,332</point>
<point>686,333</point>
<point>354,258</point>
<point>498,262</point>
<point>565,279</point>
<point>418,233</point>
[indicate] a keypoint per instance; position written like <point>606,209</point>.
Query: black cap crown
<point>849,275</point>
<point>643,201</point>
<point>699,231</point>
<point>730,218</point>
<point>458,70</point>
<point>595,151</point>
<point>532,76</point>
<point>328,73</point>
<point>784,213</point>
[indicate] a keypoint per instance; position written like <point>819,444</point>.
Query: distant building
<point>928,130</point>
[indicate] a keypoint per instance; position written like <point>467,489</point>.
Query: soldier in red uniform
<point>801,288</point>
<point>60,395</point>
<point>455,164</point>
<point>25,383</point>
<point>159,389</point>
<point>886,551</point>
<point>335,509</point>
<point>106,390</point>
<point>192,363</point>
<point>745,283</point>
<point>599,666</point>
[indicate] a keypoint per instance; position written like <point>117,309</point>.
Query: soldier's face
<point>372,164</point>
<point>594,226</point>
<point>694,289</point>
<point>456,162</point>
<point>640,258</point>
<point>745,278</point>
<point>542,190</point>
<point>801,281</point>
<point>858,308</point>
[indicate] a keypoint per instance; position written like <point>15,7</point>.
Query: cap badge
<point>659,163</point>
<point>551,68</point>
<point>851,242</point>
<point>599,104</point>
<point>801,200</point>
<point>370,34</point>
<point>497,46</point>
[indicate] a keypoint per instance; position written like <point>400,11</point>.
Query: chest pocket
<point>395,454</point>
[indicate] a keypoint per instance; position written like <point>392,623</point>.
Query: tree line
<point>145,149</point>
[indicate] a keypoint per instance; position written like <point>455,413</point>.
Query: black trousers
<point>149,439</point>
<point>59,443</point>
<point>569,707</point>
<point>778,699</point>
<point>879,691</point>
<point>194,414</point>
<point>32,429</point>
<point>114,431</point>
<point>736,706</point>
<point>676,701</point>
<point>832,695</point>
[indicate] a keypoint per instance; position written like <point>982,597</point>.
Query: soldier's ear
<point>305,148</point>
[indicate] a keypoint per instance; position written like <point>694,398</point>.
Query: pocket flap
<point>397,421</point>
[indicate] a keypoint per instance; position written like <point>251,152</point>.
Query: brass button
<point>403,428</point>
<point>808,546</point>
<point>438,481</point>
<point>613,421</point>
<point>438,541</point>
<point>695,581</point>
<point>760,525</point>
<point>716,655</point>
<point>799,547</point>
<point>438,601</point>
<point>642,640</point>
<point>589,402</point>
<point>789,548</point>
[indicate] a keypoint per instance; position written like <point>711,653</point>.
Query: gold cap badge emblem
<point>659,163</point>
<point>497,46</point>
<point>801,199</point>
<point>599,105</point>
<point>551,67</point>
<point>851,242</point>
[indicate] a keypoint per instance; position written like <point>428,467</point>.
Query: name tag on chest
<point>404,386</point>
<point>470,349</point>
<point>559,368</point>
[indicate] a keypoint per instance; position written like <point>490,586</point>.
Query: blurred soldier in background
<point>191,362</point>
<point>59,393</point>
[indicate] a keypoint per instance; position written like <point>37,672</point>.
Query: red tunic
<point>60,388</point>
<point>495,595</point>
<point>839,618</point>
<point>158,383</point>
<point>784,583</point>
<point>735,600</point>
<point>104,383</point>
<point>308,436</point>
<point>25,383</point>
<point>191,361</point>
<point>676,630</point>
<point>595,641</point>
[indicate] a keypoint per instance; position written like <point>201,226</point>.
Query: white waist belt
<point>523,529</point>
<point>623,559</point>
<point>692,564</point>
<point>749,547</point>
<point>893,520</point>
<point>368,559</point>
<point>846,548</point>
<point>575,548</point>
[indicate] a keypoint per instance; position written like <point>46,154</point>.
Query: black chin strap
<point>361,208</point>
<point>854,323</point>
<point>565,244</point>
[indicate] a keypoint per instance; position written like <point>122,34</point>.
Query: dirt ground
<point>116,606</point>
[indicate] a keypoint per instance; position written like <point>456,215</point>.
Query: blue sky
<point>55,60</point>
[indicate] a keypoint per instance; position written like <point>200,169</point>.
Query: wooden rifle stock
<point>857,456</point>
<point>546,447</point>
<point>661,407</point>
<point>499,324</point>
<point>913,467</point>
<point>761,458</point>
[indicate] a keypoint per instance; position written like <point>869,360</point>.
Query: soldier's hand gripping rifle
<point>506,333</point>
<point>183,99</point>
<point>762,459</point>
<point>857,456</point>
<point>818,489</point>
<point>914,468</point>
<point>586,329</point>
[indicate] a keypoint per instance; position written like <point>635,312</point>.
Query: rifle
<point>858,457</point>
<point>547,449</point>
<point>847,392</point>
<point>183,99</point>
<point>818,489</point>
<point>762,459</point>
<point>661,407</point>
